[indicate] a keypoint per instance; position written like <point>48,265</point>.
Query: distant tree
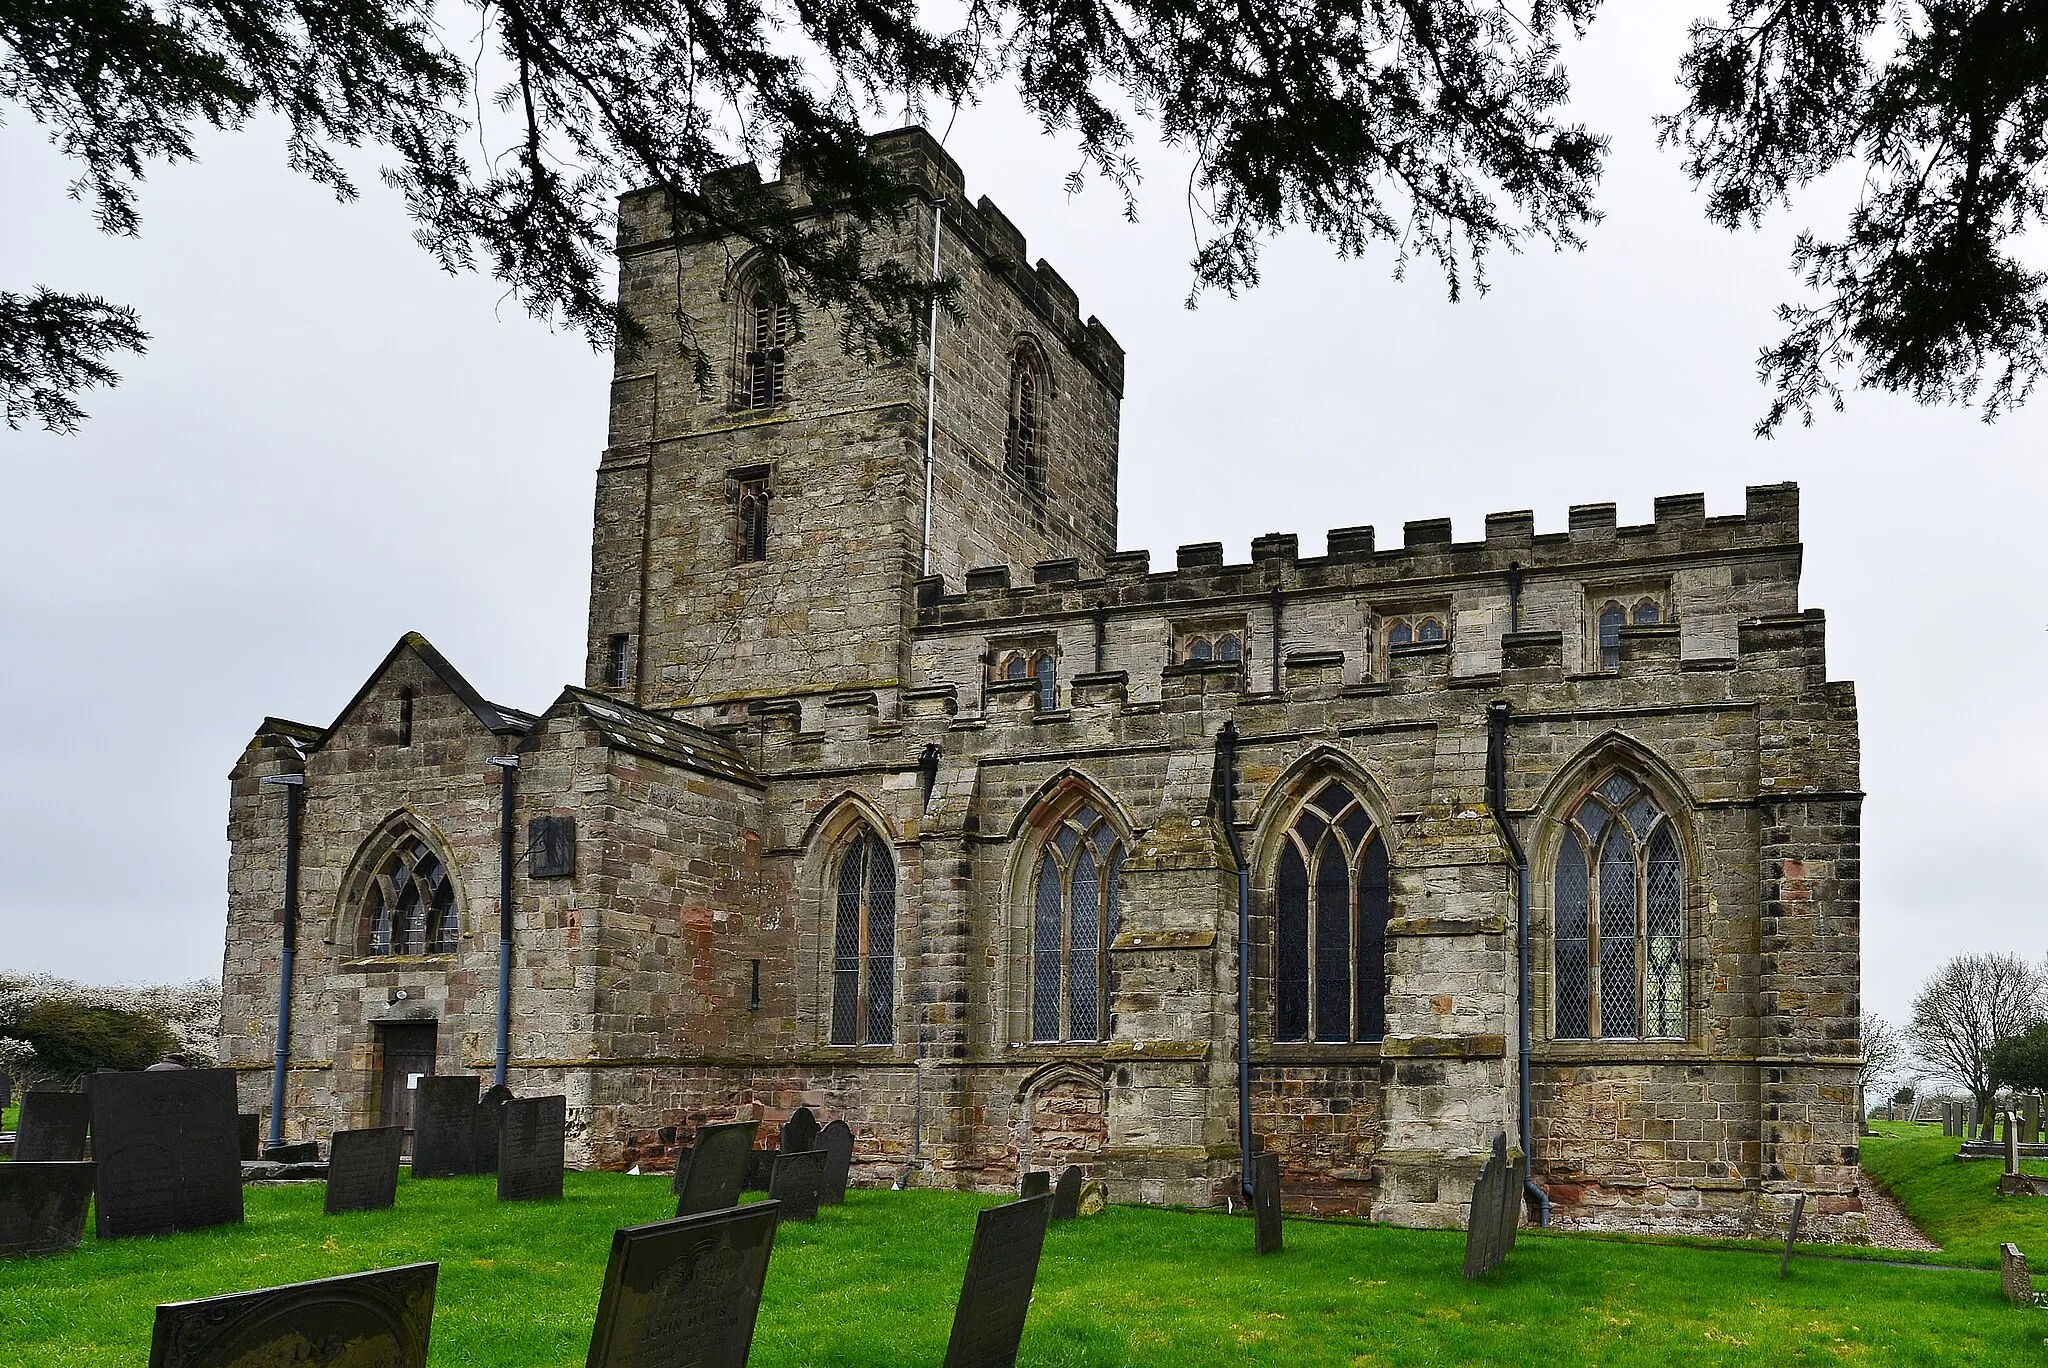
<point>56,1031</point>
<point>2021,1061</point>
<point>1883,1052</point>
<point>67,1040</point>
<point>1904,1096</point>
<point>1970,1005</point>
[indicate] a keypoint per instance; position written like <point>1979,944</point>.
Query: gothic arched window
<point>1617,952</point>
<point>1431,630</point>
<point>1074,897</point>
<point>1645,613</point>
<point>410,905</point>
<point>1612,619</point>
<point>1046,672</point>
<point>1024,445</point>
<point>766,328</point>
<point>1399,633</point>
<point>864,944</point>
<point>1331,903</point>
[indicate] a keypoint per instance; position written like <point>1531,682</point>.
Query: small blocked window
<point>1331,903</point>
<point>864,944</point>
<point>1073,923</point>
<point>1024,441</point>
<point>410,905</point>
<point>1618,920</point>
<point>767,325</point>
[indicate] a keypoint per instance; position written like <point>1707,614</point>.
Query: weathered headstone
<point>837,1142</point>
<point>760,1169</point>
<point>490,1117</point>
<point>6,1090</point>
<point>444,1109</point>
<point>166,1153</point>
<point>362,1169</point>
<point>1496,1209</point>
<point>52,1128</point>
<point>249,1135</point>
<point>799,1133</point>
<point>711,1178</point>
<point>380,1320</point>
<point>1066,1193</point>
<point>988,1322</point>
<point>2018,1279</point>
<point>684,1292</point>
<point>2012,1143</point>
<point>795,1183</point>
<point>1037,1183</point>
<point>2033,1115</point>
<point>1792,1235</point>
<point>42,1207</point>
<point>533,1138</point>
<point>297,1152</point>
<point>1266,1237</point>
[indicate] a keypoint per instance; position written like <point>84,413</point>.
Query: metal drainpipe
<point>294,786</point>
<point>931,388</point>
<point>508,796</point>
<point>1497,798</point>
<point>1226,750</point>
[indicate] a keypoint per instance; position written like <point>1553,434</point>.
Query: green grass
<point>1954,1201</point>
<point>873,1284</point>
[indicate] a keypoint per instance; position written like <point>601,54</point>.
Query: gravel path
<point>1889,1226</point>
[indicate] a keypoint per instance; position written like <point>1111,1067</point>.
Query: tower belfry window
<point>767,326</point>
<point>1024,445</point>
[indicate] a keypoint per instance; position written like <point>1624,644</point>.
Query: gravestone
<point>6,1090</point>
<point>760,1169</point>
<point>2012,1268</point>
<point>249,1135</point>
<point>795,1184</point>
<point>298,1152</point>
<point>1094,1198</point>
<point>362,1169</point>
<point>42,1207</point>
<point>380,1319</point>
<point>2033,1115</point>
<point>710,1179</point>
<point>2012,1144</point>
<point>1066,1193</point>
<point>1496,1209</point>
<point>444,1108</point>
<point>51,1128</point>
<point>1266,1237</point>
<point>1792,1235</point>
<point>837,1142</point>
<point>490,1116</point>
<point>1037,1183</point>
<point>166,1153</point>
<point>684,1292</point>
<point>533,1136</point>
<point>799,1133</point>
<point>988,1322</point>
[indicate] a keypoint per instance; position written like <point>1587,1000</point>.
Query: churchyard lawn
<point>873,1283</point>
<point>1956,1205</point>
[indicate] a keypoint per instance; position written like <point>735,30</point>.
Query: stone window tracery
<point>1024,441</point>
<point>1420,629</point>
<point>409,908</point>
<point>767,325</point>
<point>1075,895</point>
<point>752,497</point>
<point>1331,902</point>
<point>1618,921</point>
<point>864,943</point>
<point>1038,664</point>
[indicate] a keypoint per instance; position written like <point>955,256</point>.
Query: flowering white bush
<point>190,1011</point>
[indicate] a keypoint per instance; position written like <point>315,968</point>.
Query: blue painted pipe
<point>294,792</point>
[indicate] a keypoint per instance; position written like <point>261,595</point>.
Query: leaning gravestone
<point>2012,1268</point>
<point>1792,1235</point>
<point>1037,1182</point>
<point>52,1128</point>
<point>710,1178</point>
<point>42,1207</point>
<point>1066,1193</point>
<point>362,1169</point>
<point>166,1153</point>
<point>532,1138</point>
<point>988,1323</point>
<point>490,1117</point>
<point>378,1320</point>
<point>837,1142</point>
<point>1496,1209</point>
<point>1266,1238</point>
<point>444,1108</point>
<point>800,1132</point>
<point>684,1292</point>
<point>795,1184</point>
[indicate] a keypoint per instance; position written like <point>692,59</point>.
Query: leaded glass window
<point>1047,674</point>
<point>1074,919</point>
<point>1645,613</point>
<point>1024,444</point>
<point>1431,630</point>
<point>1617,951</point>
<point>1331,896</point>
<point>411,903</point>
<point>1612,618</point>
<point>864,944</point>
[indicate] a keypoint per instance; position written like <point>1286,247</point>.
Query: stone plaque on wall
<point>532,1137</point>
<point>1002,1266</point>
<point>377,1320</point>
<point>837,1142</point>
<point>1267,1237</point>
<point>710,1178</point>
<point>51,1128</point>
<point>362,1169</point>
<point>795,1184</point>
<point>444,1125</point>
<point>684,1292</point>
<point>167,1155</point>
<point>42,1207</point>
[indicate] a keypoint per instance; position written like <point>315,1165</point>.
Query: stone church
<point>895,788</point>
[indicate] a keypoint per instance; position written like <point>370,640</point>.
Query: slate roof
<point>666,739</point>
<point>495,717</point>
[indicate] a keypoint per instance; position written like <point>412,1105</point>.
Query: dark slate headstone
<point>837,1142</point>
<point>444,1126</point>
<point>249,1134</point>
<point>1066,1193</point>
<point>166,1153</point>
<point>1037,1182</point>
<point>51,1129</point>
<point>362,1169</point>
<point>1266,1235</point>
<point>42,1207</point>
<point>6,1090</point>
<point>532,1138</point>
<point>684,1292</point>
<point>298,1152</point>
<point>799,1133</point>
<point>1496,1210</point>
<point>710,1178</point>
<point>1792,1235</point>
<point>490,1118</point>
<point>760,1168</point>
<point>795,1183</point>
<point>988,1323</point>
<point>380,1319</point>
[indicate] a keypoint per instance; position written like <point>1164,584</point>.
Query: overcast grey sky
<point>331,443</point>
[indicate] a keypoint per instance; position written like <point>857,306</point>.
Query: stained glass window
<point>1617,948</point>
<point>1332,897</point>
<point>1074,919</point>
<point>411,903</point>
<point>864,944</point>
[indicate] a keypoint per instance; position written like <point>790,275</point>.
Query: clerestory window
<point>1618,942</point>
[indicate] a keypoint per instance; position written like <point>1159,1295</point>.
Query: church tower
<point>767,537</point>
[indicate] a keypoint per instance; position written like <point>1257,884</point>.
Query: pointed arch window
<point>1613,617</point>
<point>1074,917</point>
<point>1618,945</point>
<point>1024,443</point>
<point>767,326</point>
<point>409,908</point>
<point>864,944</point>
<point>1331,895</point>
